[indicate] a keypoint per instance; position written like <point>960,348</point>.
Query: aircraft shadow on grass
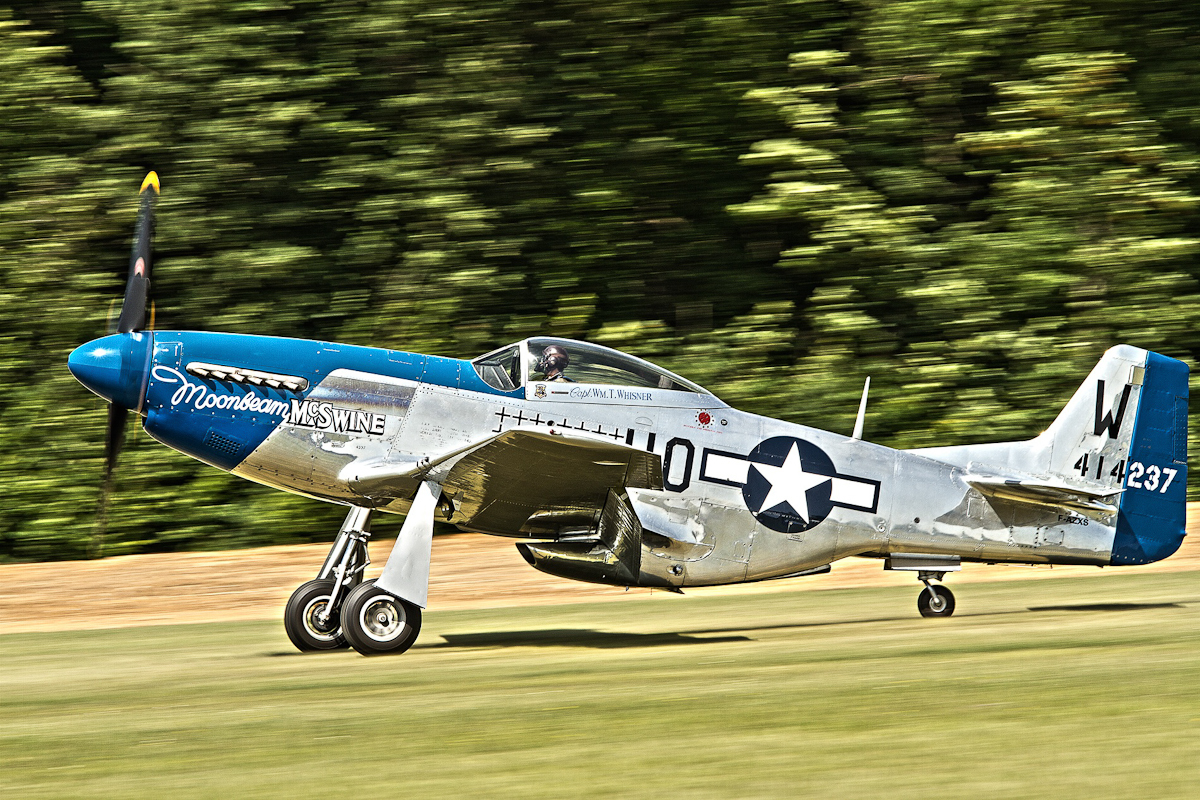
<point>575,637</point>
<point>584,637</point>
<point>1106,607</point>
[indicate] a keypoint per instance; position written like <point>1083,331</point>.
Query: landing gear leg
<point>384,616</point>
<point>312,618</point>
<point>934,601</point>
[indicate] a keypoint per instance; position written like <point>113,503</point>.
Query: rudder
<point>1152,520</point>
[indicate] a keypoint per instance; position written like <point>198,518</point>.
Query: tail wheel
<point>309,621</point>
<point>376,622</point>
<point>939,604</point>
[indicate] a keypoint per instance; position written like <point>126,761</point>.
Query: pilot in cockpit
<point>552,363</point>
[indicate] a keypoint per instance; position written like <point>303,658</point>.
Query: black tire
<point>375,622</point>
<point>302,624</point>
<point>942,606</point>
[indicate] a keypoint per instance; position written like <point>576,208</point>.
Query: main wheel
<point>308,620</point>
<point>936,605</point>
<point>376,622</point>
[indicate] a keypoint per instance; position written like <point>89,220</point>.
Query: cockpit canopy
<point>511,367</point>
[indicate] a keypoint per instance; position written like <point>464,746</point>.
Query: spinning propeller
<point>115,367</point>
<point>133,311</point>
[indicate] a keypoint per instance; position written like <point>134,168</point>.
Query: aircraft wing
<point>1047,493</point>
<point>542,483</point>
<point>532,481</point>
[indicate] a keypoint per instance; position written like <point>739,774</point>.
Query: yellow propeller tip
<point>152,181</point>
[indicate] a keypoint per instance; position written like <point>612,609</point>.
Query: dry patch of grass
<point>468,571</point>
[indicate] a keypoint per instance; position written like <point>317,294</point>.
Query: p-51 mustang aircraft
<point>609,469</point>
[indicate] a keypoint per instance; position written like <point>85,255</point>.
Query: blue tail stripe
<point>1151,522</point>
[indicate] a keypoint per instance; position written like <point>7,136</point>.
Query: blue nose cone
<point>114,367</point>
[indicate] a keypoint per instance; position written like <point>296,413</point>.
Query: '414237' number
<point>1152,478</point>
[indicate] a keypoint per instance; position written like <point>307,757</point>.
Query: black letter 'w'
<point>1106,421</point>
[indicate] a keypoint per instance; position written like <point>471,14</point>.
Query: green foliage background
<point>968,200</point>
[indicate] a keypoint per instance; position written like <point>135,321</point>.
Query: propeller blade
<point>137,288</point>
<point>117,417</point>
<point>132,319</point>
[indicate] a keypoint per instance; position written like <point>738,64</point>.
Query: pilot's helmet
<point>554,358</point>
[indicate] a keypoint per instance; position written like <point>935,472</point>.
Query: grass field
<point>1080,688</point>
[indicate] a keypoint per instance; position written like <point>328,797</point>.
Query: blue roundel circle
<point>788,484</point>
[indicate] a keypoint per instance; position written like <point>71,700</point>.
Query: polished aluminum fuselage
<point>891,502</point>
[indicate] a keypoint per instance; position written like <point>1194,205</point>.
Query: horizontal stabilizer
<point>1048,493</point>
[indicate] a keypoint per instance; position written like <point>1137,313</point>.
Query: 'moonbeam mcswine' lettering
<point>328,417</point>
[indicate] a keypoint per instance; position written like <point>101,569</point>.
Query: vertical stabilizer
<point>1126,428</point>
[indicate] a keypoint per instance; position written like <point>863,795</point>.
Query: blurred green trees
<point>968,200</point>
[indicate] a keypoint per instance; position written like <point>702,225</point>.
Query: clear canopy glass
<point>510,367</point>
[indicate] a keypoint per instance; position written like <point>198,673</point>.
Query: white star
<point>789,484</point>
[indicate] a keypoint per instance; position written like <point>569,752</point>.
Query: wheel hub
<point>382,619</point>
<point>318,619</point>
